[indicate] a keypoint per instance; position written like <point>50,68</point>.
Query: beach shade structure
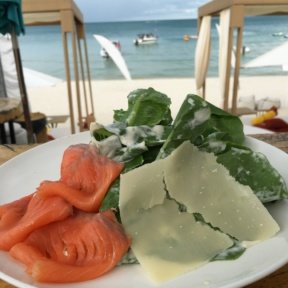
<point>67,15</point>
<point>232,14</point>
<point>276,57</point>
<point>114,54</point>
<point>35,78</point>
<point>11,22</point>
<point>202,54</point>
<point>32,78</point>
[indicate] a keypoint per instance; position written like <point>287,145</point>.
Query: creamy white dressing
<point>133,133</point>
<point>108,146</point>
<point>217,146</point>
<point>158,131</point>
<point>200,117</point>
<point>131,136</point>
<point>191,102</point>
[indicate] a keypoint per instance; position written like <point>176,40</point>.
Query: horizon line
<point>139,20</point>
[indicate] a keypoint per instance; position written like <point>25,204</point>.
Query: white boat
<point>145,38</point>
<point>105,54</point>
<point>278,34</point>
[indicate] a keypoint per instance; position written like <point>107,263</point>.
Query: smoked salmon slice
<point>81,247</point>
<point>86,176</point>
<point>19,218</point>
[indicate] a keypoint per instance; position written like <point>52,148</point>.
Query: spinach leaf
<point>145,107</point>
<point>232,253</point>
<point>124,143</point>
<point>111,199</point>
<point>253,169</point>
<point>197,120</point>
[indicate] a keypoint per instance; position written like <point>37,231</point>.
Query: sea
<point>171,57</point>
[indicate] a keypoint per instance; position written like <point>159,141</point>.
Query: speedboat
<point>145,38</point>
<point>105,54</point>
<point>278,34</point>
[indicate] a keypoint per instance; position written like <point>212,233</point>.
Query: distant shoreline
<point>129,21</point>
<point>41,47</point>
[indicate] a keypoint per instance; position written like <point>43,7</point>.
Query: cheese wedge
<point>157,202</point>
<point>195,179</point>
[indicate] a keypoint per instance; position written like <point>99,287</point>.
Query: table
<point>278,279</point>
<point>10,109</point>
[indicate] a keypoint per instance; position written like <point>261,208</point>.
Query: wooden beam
<point>214,7</point>
<point>44,6</point>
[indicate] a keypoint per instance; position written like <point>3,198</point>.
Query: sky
<point>130,10</point>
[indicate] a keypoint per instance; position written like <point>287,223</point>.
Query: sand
<point>109,95</point>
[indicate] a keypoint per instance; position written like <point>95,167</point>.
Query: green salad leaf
<point>145,107</point>
<point>253,169</point>
<point>146,132</point>
<point>197,121</point>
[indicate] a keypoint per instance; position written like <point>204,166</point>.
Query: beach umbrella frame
<point>10,28</point>
<point>22,85</point>
<point>239,9</point>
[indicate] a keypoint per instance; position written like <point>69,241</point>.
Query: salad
<point>146,132</point>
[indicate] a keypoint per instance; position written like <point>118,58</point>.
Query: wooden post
<point>88,71</point>
<point>199,22</point>
<point>237,70</point>
<point>22,86</point>
<point>76,76</point>
<point>82,74</point>
<point>3,92</point>
<point>238,22</point>
<point>228,70</point>
<point>68,79</point>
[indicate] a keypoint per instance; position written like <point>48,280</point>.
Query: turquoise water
<point>42,50</point>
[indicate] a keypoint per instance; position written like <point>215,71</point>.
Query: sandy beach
<point>109,95</point>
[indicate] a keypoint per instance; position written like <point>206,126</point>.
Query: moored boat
<point>278,34</point>
<point>145,38</point>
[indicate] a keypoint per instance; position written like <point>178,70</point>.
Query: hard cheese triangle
<point>157,202</point>
<point>207,188</point>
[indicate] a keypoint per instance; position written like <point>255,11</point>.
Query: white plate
<point>255,130</point>
<point>22,174</point>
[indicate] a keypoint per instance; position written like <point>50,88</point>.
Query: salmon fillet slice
<point>81,247</point>
<point>19,218</point>
<point>86,176</point>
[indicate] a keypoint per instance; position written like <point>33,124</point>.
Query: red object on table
<point>275,125</point>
